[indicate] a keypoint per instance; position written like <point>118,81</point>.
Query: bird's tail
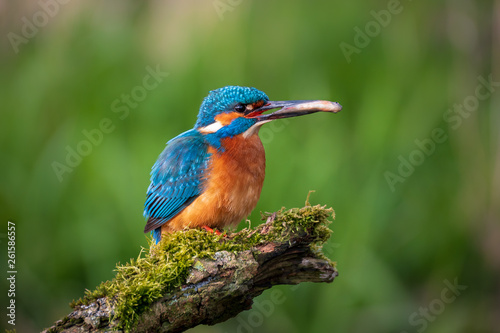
<point>156,233</point>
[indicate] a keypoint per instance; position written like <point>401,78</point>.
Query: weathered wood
<point>218,289</point>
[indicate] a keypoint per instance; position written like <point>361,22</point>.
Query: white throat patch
<point>254,129</point>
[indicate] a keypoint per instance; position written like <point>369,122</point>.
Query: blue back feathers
<point>176,178</point>
<point>224,99</point>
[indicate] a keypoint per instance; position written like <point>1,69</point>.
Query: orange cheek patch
<point>227,118</point>
<point>258,104</point>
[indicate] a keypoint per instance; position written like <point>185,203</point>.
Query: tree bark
<point>218,289</point>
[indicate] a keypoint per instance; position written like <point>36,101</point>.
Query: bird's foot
<point>208,229</point>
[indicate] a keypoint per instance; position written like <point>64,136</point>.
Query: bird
<point>211,176</point>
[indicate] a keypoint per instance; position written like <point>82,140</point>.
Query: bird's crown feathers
<point>224,100</point>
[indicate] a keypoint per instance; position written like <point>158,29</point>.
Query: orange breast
<point>233,186</point>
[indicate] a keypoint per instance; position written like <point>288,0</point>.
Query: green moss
<point>164,267</point>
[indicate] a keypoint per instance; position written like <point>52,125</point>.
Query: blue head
<point>227,100</point>
<point>234,110</point>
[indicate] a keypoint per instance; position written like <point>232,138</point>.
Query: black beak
<point>289,109</point>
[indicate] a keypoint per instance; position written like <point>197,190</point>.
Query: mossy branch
<point>194,277</point>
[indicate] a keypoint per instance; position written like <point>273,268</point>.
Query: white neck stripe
<point>212,128</point>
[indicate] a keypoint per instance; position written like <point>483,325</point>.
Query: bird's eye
<point>240,108</point>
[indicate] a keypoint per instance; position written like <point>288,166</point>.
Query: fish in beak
<point>288,109</point>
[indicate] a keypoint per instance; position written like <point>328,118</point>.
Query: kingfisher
<point>211,176</point>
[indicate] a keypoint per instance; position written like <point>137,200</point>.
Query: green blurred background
<point>397,242</point>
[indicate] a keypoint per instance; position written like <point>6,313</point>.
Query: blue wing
<point>176,179</point>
